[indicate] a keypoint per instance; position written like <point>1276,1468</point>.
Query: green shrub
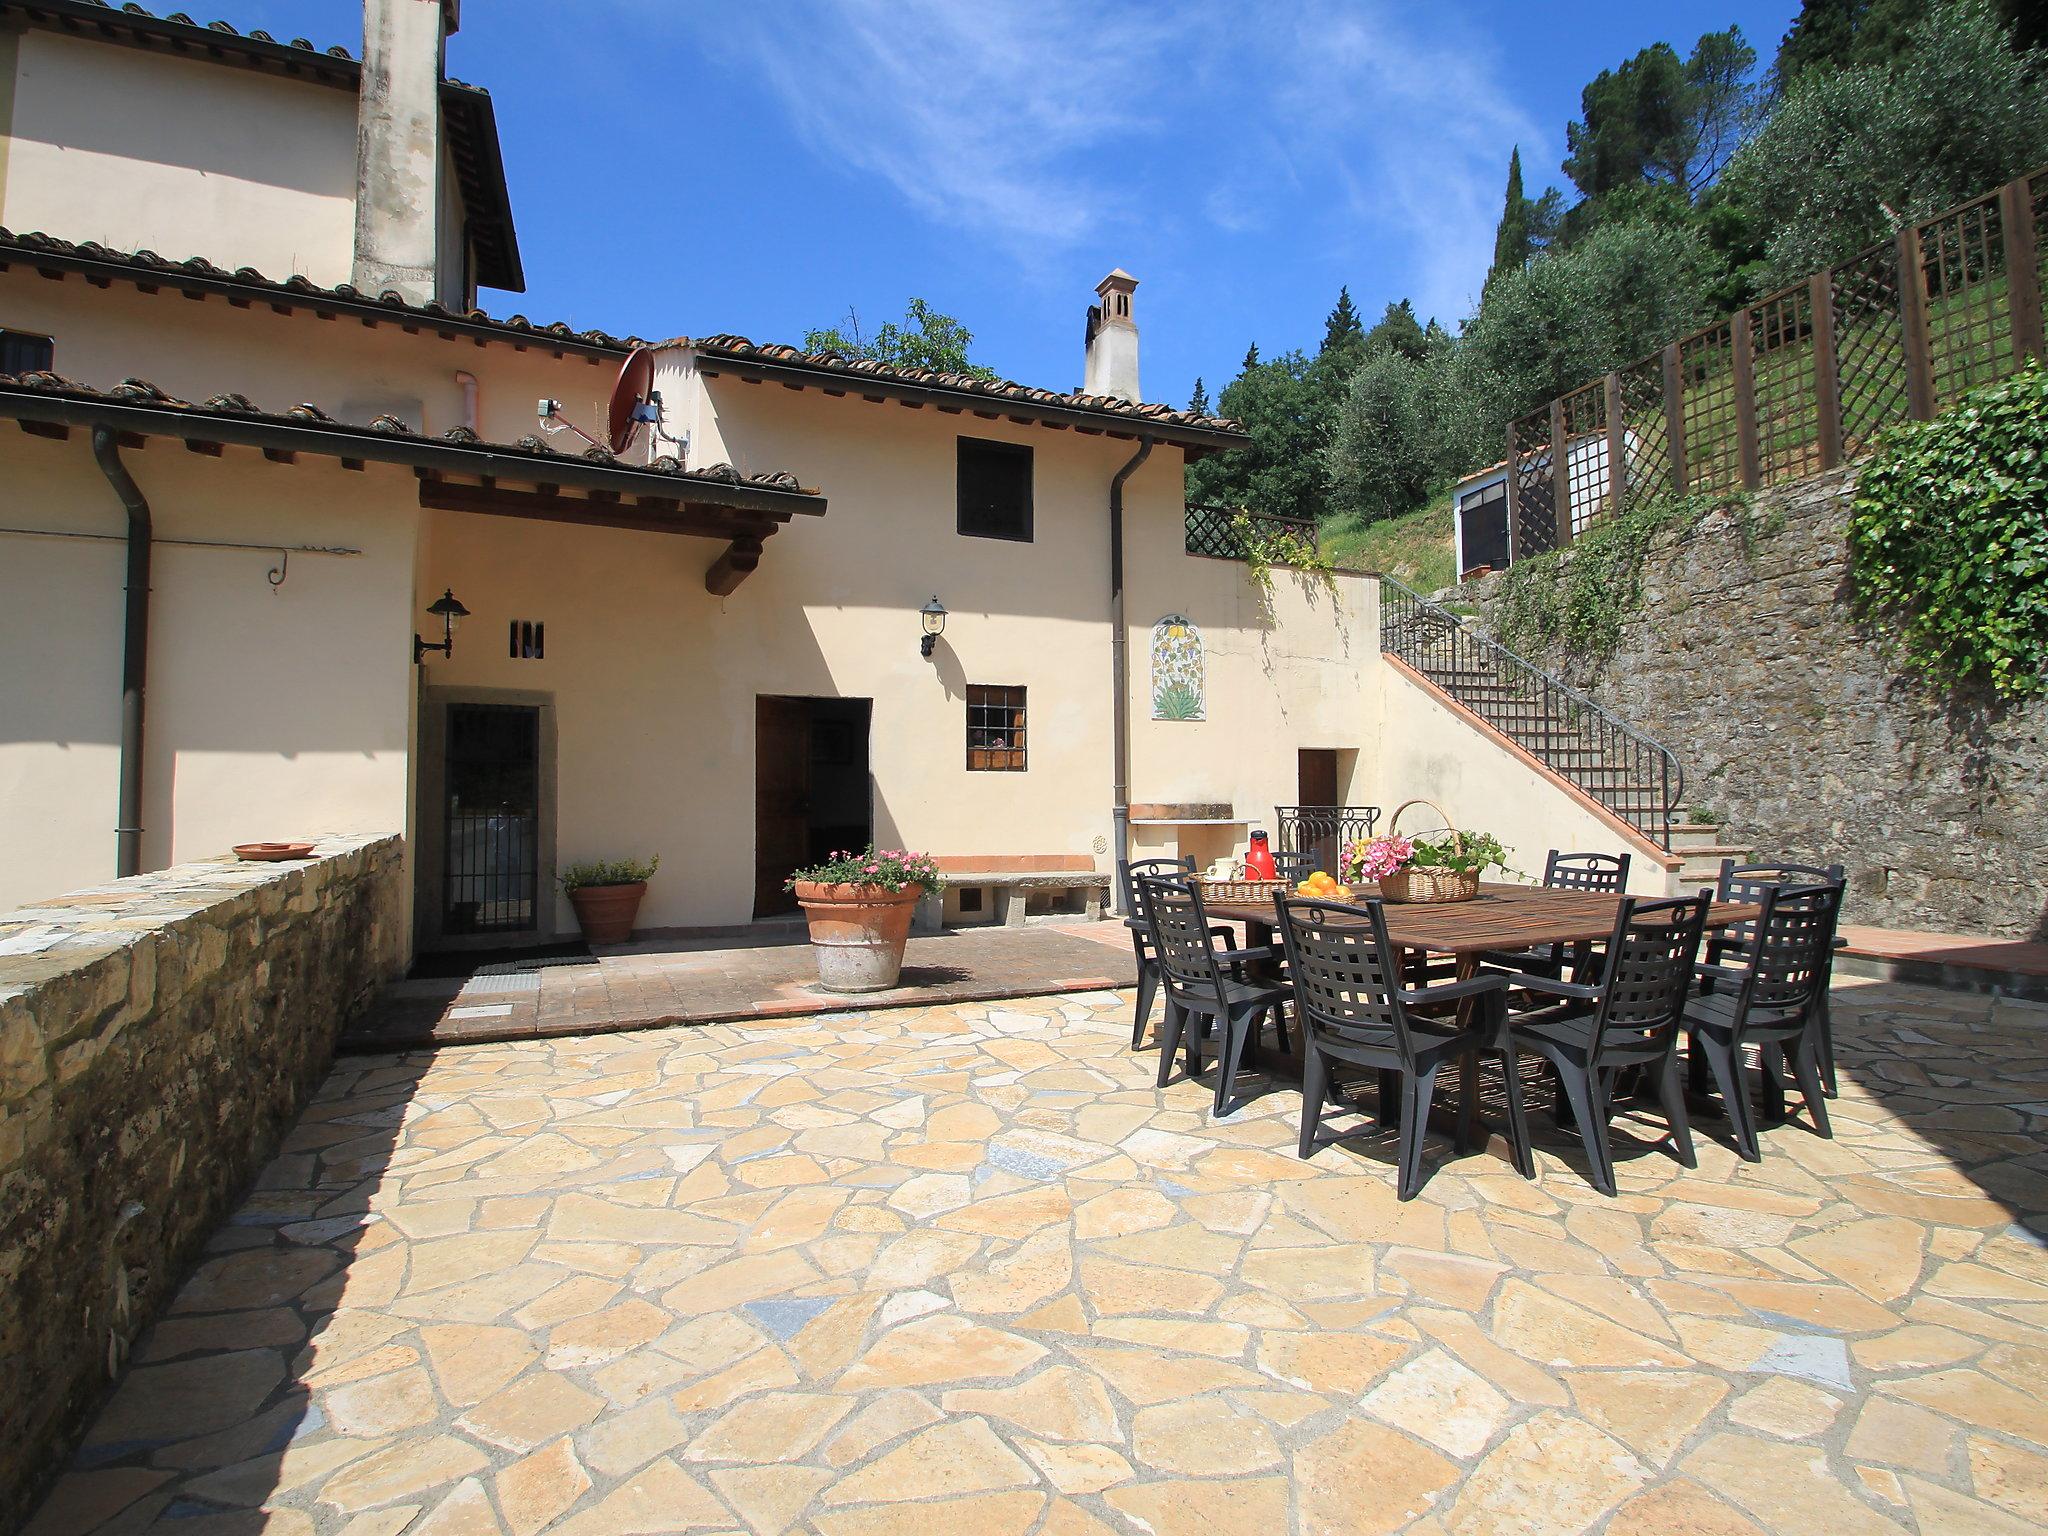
<point>607,872</point>
<point>1948,539</point>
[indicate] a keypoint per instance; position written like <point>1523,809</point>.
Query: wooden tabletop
<point>1499,917</point>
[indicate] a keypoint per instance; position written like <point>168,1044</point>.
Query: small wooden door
<point>782,799</point>
<point>1317,777</point>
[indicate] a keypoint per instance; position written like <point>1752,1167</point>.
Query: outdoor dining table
<point>1500,917</point>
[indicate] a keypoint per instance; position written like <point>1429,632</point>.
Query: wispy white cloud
<point>1040,125</point>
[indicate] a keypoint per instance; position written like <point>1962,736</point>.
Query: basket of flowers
<point>1445,866</point>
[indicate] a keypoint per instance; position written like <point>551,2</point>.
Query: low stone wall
<point>157,1036</point>
<point>1799,735</point>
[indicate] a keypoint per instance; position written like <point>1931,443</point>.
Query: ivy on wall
<point>1580,600</point>
<point>1948,540</point>
<point>1265,544</point>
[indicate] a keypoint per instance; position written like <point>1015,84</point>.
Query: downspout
<point>1119,660</point>
<point>106,452</point>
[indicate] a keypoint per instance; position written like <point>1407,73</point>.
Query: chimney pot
<point>398,147</point>
<point>1112,362</point>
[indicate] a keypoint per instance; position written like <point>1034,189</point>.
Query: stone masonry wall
<point>157,1036</point>
<point>1797,733</point>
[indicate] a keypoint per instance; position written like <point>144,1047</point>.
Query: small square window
<point>995,490</point>
<point>26,352</point>
<point>995,729</point>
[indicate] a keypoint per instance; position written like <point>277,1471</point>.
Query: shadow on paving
<point>217,1389</point>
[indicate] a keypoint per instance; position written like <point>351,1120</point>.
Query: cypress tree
<point>1198,402</point>
<point>1511,239</point>
<point>1343,324</point>
<point>1251,358</point>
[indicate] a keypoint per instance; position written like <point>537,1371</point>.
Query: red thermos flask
<point>1258,860</point>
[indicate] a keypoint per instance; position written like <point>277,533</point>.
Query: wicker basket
<point>1236,890</point>
<point>1421,884</point>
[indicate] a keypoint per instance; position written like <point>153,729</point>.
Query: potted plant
<point>606,895</point>
<point>859,907</point>
<point>1443,867</point>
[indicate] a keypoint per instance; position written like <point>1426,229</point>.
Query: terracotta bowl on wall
<point>272,853</point>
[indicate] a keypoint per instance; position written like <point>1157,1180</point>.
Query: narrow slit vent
<point>529,640</point>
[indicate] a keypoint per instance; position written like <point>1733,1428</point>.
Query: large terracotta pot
<point>858,932</point>
<point>605,913</point>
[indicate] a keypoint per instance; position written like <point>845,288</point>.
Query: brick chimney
<point>1113,340</point>
<point>398,146</point>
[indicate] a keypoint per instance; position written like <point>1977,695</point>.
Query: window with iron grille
<point>25,352</point>
<point>995,490</point>
<point>995,728</point>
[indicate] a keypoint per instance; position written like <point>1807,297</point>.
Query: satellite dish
<point>630,398</point>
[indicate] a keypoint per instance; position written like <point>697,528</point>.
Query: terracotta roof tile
<point>141,392</point>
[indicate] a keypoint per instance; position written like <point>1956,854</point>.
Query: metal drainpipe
<point>106,452</point>
<point>1119,661</point>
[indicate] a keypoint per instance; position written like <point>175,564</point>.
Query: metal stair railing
<point>1627,770</point>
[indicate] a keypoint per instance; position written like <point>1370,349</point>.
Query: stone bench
<point>1014,889</point>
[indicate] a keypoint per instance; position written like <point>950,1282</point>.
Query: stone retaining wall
<point>157,1036</point>
<point>1798,734</point>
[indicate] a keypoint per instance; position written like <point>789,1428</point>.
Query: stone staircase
<point>1700,847</point>
<point>1629,772</point>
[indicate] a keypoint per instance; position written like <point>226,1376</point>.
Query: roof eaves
<point>1000,397</point>
<point>136,403</point>
<point>196,274</point>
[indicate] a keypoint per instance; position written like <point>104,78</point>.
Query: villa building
<point>260,429</point>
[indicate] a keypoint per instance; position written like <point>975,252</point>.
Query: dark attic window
<point>26,352</point>
<point>995,490</point>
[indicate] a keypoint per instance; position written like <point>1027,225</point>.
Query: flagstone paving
<point>964,1269</point>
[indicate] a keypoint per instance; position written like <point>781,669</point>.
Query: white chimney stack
<point>1113,340</point>
<point>398,146</point>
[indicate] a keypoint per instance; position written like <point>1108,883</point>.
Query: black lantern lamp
<point>934,613</point>
<point>448,610</point>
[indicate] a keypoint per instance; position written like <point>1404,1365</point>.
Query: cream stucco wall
<point>199,349</point>
<point>1428,752</point>
<point>271,714</point>
<point>654,681</point>
<point>137,149</point>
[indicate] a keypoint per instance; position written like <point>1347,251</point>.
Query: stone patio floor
<point>765,975</point>
<point>963,1269</point>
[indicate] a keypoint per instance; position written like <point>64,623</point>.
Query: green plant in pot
<point>606,894</point>
<point>859,907</point>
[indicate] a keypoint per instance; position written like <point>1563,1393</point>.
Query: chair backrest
<point>1345,974</point>
<point>1181,941</point>
<point>1293,867</point>
<point>1605,873</point>
<point>1646,978</point>
<point>1748,882</point>
<point>1128,871</point>
<point>1794,943</point>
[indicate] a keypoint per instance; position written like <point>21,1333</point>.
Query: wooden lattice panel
<point>1787,414</point>
<point>1870,351</point>
<point>1969,329</point>
<point>1585,453</point>
<point>1713,449</point>
<point>1535,491</point>
<point>1646,433</point>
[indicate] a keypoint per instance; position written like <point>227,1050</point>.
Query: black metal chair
<point>1293,867</point>
<point>1773,1002</point>
<point>1127,872</point>
<point>1203,985</point>
<point>1630,1017</point>
<point>1350,1006</point>
<point>1747,883</point>
<point>1603,874</point>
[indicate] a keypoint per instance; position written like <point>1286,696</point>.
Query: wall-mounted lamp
<point>448,610</point>
<point>934,614</point>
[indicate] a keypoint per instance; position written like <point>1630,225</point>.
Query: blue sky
<point>757,166</point>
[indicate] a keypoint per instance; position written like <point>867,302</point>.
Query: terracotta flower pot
<point>858,932</point>
<point>605,913</point>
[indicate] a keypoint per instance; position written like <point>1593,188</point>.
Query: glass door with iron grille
<point>491,873</point>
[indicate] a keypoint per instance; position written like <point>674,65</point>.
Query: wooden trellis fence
<point>1798,381</point>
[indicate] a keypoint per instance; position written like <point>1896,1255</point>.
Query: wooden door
<point>782,799</point>
<point>1317,777</point>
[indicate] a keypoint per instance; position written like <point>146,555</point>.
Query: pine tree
<point>1251,358</point>
<point>1511,239</point>
<point>1343,324</point>
<point>1198,402</point>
